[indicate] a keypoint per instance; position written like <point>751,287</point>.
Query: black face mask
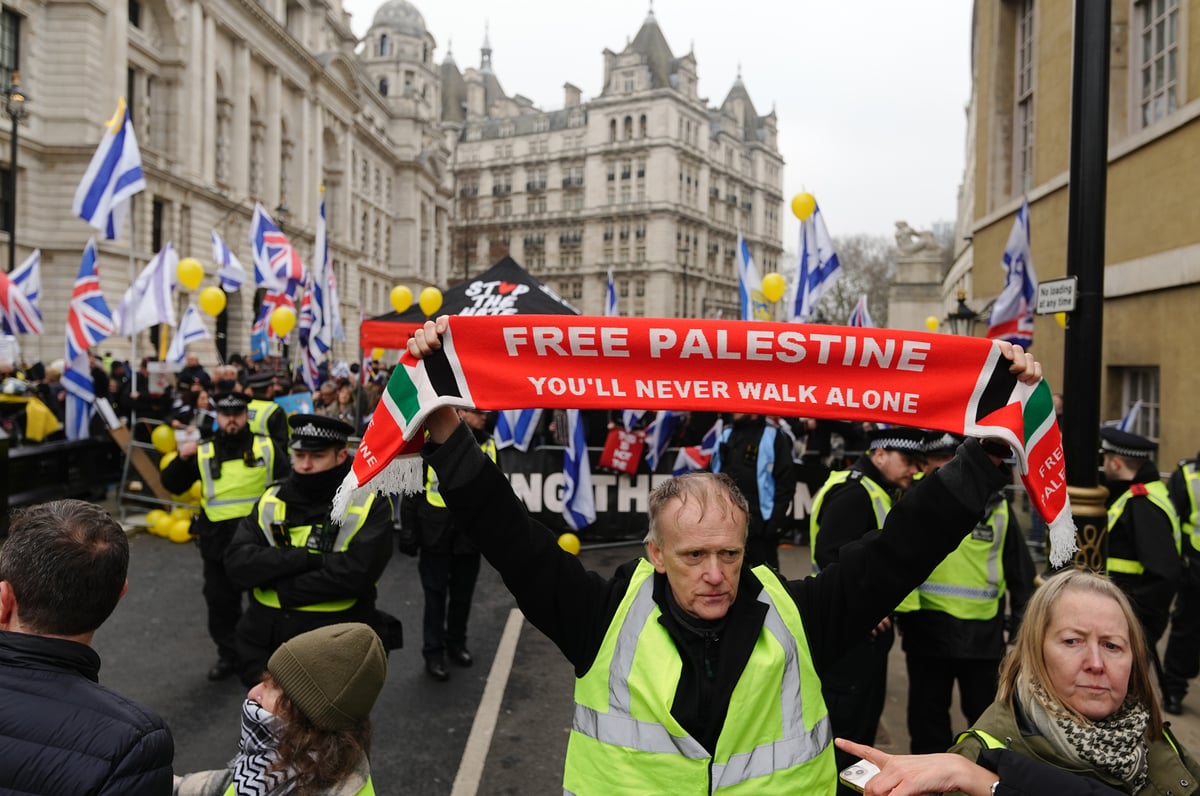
<point>225,385</point>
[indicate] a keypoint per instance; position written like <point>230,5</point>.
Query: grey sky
<point>870,94</point>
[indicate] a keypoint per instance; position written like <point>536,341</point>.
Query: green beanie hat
<point>332,674</point>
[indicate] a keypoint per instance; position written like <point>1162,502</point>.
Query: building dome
<point>400,16</point>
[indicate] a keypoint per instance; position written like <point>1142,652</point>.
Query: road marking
<point>470,769</point>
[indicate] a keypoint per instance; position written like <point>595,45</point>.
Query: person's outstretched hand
<point>909,775</point>
<point>1027,369</point>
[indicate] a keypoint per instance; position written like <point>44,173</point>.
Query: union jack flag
<point>696,457</point>
<point>18,314</point>
<point>277,264</point>
<point>89,321</point>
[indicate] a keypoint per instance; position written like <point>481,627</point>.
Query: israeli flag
<point>1012,312</point>
<point>755,306</point>
<point>659,434</point>
<point>818,269</point>
<point>861,316</point>
<point>231,272</point>
<point>81,397</point>
<point>28,277</point>
<point>191,329</point>
<point>1129,421</point>
<point>515,428</point>
<point>149,300</point>
<point>579,500</point>
<point>113,176</point>
<point>610,298</point>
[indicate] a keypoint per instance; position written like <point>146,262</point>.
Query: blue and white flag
<point>81,397</point>
<point>860,315</point>
<point>1012,313</point>
<point>659,435</point>
<point>149,301</point>
<point>334,307</point>
<point>191,329</point>
<point>610,298</point>
<point>755,306</point>
<point>113,176</point>
<point>818,268</point>
<point>18,312</point>
<point>28,277</point>
<point>631,417</point>
<point>515,428</point>
<point>230,270</point>
<point>1129,421</point>
<point>579,499</point>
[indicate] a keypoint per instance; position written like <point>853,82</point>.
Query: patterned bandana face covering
<point>958,384</point>
<point>256,753</point>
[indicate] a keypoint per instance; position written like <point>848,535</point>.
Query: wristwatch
<point>995,785</point>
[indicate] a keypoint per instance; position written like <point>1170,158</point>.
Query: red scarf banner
<point>945,382</point>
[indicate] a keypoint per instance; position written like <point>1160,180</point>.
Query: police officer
<point>758,457</point>
<point>952,626</point>
<point>234,467</point>
<point>266,416</point>
<point>1182,661</point>
<point>851,504</point>
<point>304,570</point>
<point>449,564</point>
<point>1143,531</point>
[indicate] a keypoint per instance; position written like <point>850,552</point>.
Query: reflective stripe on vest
<point>986,740</point>
<point>968,583</point>
<point>1156,491</point>
<point>233,494</point>
<point>881,502</point>
<point>1191,523</point>
<point>366,790</point>
<point>272,510</point>
<point>258,412</point>
<point>432,495</point>
<point>776,737</point>
<point>764,467</point>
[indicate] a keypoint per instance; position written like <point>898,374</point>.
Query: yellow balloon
<point>166,459</point>
<point>932,323</point>
<point>181,531</point>
<point>153,517</point>
<point>773,286</point>
<point>194,493</point>
<point>212,300</point>
<point>180,513</point>
<point>162,527</point>
<point>376,353</point>
<point>401,298</point>
<point>431,300</point>
<point>569,542</point>
<point>803,205</point>
<point>1061,318</point>
<point>190,272</point>
<point>283,320</point>
<point>163,438</point>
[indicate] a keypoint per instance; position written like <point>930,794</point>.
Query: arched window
<point>385,46</point>
<point>383,86</point>
<point>612,130</point>
<point>642,126</point>
<point>628,127</point>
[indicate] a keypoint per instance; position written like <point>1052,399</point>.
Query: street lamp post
<point>962,318</point>
<point>14,105</point>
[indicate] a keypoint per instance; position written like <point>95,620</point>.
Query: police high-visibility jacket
<point>272,519</point>
<point>432,495</point>
<point>1156,492</point>
<point>1191,523</point>
<point>969,582</point>
<point>241,481</point>
<point>258,412</point>
<point>776,737</point>
<point>366,790</point>
<point>881,502</point>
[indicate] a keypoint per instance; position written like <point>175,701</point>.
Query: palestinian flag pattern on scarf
<point>958,384</point>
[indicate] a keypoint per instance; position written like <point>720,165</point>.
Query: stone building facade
<point>1019,147</point>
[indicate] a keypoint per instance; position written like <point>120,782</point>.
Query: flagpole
<point>133,359</point>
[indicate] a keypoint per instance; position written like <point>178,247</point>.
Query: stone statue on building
<point>910,241</point>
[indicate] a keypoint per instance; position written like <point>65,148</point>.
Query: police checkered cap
<point>940,443</point>
<point>1125,443</point>
<point>898,438</point>
<point>230,402</point>
<point>317,432</point>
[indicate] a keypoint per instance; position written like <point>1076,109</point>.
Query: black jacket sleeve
<point>1151,593</point>
<point>352,573</point>
<point>250,562</point>
<point>1024,776</point>
<point>567,603</point>
<point>1019,571</point>
<point>180,474</point>
<point>874,574</point>
<point>784,474</point>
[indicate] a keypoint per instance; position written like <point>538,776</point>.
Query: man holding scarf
<point>709,669</point>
